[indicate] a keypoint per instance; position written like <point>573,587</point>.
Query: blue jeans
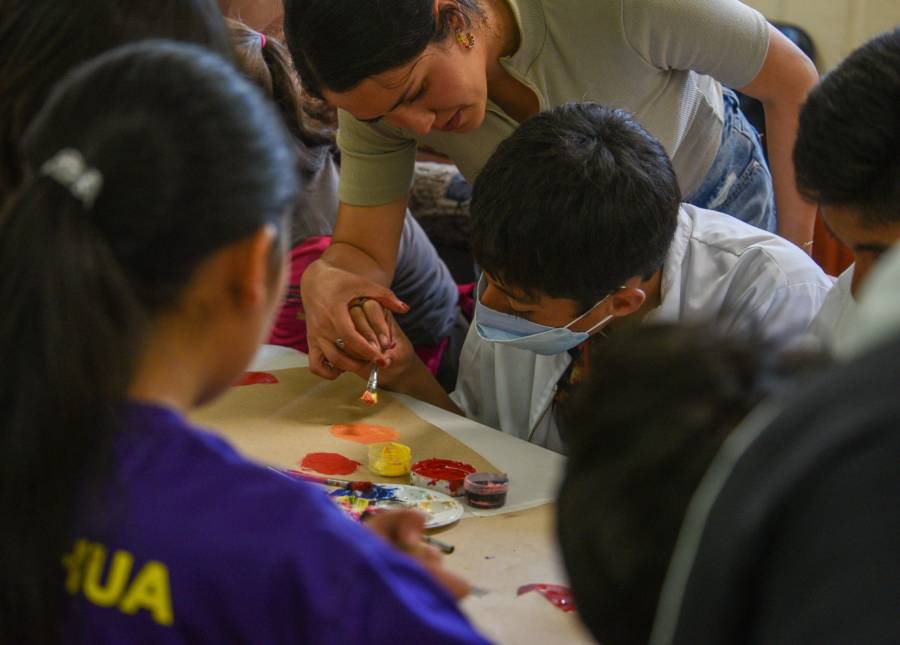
<point>739,182</point>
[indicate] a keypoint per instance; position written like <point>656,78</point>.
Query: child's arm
<point>407,374</point>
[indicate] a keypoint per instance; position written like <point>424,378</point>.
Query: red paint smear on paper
<point>256,378</point>
<point>453,472</point>
<point>329,463</point>
<point>558,595</point>
<point>364,433</point>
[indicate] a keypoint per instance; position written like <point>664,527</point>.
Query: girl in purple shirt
<point>141,260</point>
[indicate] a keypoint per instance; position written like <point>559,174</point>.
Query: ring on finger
<point>327,363</point>
<point>358,302</point>
<point>339,343</point>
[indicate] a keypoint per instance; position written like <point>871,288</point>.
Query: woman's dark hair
<point>641,432</point>
<point>848,139</point>
<point>336,45</point>
<point>40,40</point>
<point>192,159</point>
<point>311,121</point>
<point>574,203</point>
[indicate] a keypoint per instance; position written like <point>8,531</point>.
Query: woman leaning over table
<point>460,75</point>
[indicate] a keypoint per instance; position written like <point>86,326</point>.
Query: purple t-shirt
<point>196,544</point>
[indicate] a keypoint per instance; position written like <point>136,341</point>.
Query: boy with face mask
<point>579,228</point>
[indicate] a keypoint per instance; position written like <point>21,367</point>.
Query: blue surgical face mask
<point>505,329</point>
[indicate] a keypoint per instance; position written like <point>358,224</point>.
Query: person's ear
<point>440,4</point>
<point>626,301</point>
<point>252,268</point>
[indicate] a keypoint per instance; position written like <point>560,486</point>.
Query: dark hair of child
<point>40,40</point>
<point>577,201</point>
<point>849,134</point>
<point>192,159</point>
<point>337,45</point>
<point>265,61</point>
<point>642,431</point>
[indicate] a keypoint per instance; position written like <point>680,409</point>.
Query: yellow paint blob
<point>389,459</point>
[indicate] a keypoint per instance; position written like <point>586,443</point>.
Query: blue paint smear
<point>375,493</point>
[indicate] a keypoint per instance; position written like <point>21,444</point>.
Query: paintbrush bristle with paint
<point>370,395</point>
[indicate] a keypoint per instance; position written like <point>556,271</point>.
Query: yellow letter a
<point>150,591</point>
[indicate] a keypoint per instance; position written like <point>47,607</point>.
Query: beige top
<point>659,59</point>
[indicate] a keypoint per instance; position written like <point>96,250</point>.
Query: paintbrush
<point>443,547</point>
<point>370,395</point>
<point>326,481</point>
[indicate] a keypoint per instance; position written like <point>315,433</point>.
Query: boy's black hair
<point>638,450</point>
<point>577,201</point>
<point>848,143</point>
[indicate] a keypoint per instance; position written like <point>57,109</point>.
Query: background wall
<point>837,26</point>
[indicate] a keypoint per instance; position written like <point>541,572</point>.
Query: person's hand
<point>336,344</point>
<point>399,355</point>
<point>403,530</point>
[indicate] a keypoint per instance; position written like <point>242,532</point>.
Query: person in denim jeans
<point>460,76</point>
<point>739,182</point>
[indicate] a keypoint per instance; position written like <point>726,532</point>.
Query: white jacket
<point>718,269</point>
<point>831,325</point>
<point>876,318</point>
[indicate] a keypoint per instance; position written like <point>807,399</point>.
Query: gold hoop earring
<point>465,38</point>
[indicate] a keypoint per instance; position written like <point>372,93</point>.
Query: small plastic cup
<point>486,490</point>
<point>389,459</point>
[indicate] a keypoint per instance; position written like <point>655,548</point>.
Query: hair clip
<point>68,168</point>
<point>262,40</point>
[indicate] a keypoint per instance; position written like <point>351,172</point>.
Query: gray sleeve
<point>317,204</point>
<point>377,161</point>
<point>725,39</point>
<point>423,281</point>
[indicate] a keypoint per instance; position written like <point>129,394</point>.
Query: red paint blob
<point>558,595</point>
<point>329,463</point>
<point>453,472</point>
<point>256,378</point>
<point>364,433</point>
